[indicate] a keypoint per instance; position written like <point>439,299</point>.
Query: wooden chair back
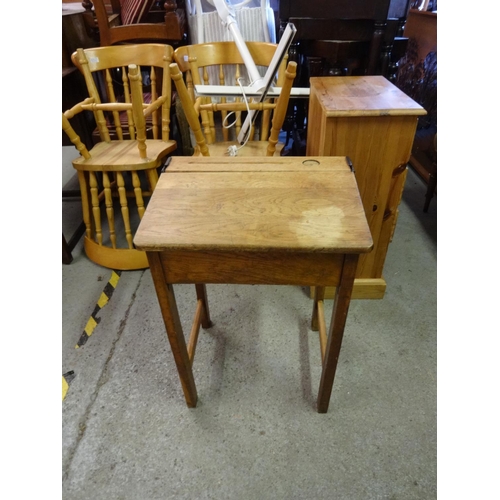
<point>134,108</point>
<point>220,63</point>
<point>200,113</point>
<point>167,26</point>
<point>105,72</point>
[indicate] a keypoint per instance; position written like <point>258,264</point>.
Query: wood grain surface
<point>282,204</point>
<point>363,96</point>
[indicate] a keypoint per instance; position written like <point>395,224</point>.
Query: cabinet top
<point>362,96</point>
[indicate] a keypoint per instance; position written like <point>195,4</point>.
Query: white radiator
<point>251,23</point>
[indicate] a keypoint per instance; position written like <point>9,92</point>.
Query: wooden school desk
<point>266,220</point>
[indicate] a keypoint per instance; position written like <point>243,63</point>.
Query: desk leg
<point>319,295</point>
<point>201,294</point>
<point>170,313</point>
<point>337,325</point>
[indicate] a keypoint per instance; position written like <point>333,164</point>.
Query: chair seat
<point>252,148</point>
<point>122,155</point>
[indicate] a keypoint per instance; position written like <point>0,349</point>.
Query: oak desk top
<point>362,96</point>
<point>286,204</point>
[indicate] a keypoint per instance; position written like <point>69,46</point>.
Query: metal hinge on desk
<point>167,163</point>
<point>349,162</point>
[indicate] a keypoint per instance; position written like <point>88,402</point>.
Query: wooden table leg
<point>170,313</point>
<point>337,325</point>
<point>318,318</point>
<point>319,295</point>
<point>201,294</point>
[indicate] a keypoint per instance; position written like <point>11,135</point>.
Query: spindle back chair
<point>194,110</point>
<point>220,63</point>
<point>118,174</point>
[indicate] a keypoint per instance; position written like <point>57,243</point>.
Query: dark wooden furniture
<point>417,77</point>
<point>165,23</point>
<point>340,21</point>
<point>74,35</point>
<point>341,38</point>
<point>281,221</point>
<point>371,121</point>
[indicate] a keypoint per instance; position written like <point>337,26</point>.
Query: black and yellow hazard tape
<point>103,300</point>
<point>66,380</point>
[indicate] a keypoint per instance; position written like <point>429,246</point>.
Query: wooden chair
<point>122,170</point>
<point>220,63</point>
<point>146,22</point>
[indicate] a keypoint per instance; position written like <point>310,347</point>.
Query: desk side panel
<point>252,268</point>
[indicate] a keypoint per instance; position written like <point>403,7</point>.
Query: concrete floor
<point>127,433</point>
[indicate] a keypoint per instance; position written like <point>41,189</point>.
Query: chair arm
<point>78,108</point>
<point>153,106</point>
<point>70,131</point>
<point>109,106</point>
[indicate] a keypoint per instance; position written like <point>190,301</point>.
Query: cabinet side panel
<point>389,220</point>
<point>316,124</point>
<point>378,146</point>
